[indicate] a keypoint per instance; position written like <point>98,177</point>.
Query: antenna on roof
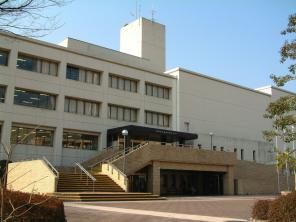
<point>153,12</point>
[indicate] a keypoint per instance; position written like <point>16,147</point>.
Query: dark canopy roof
<point>152,134</point>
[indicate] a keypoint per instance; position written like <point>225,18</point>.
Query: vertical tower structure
<point>146,39</point>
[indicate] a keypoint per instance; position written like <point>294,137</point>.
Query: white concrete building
<point>71,94</point>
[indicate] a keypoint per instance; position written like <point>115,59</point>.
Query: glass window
<point>155,91</point>
<point>133,86</point>
<point>31,136</point>
<point>157,119</point>
<point>87,110</point>
<point>82,77</point>
<point>76,140</point>
<point>3,58</point>
<point>66,105</point>
<point>166,120</point>
<point>127,114</point>
<point>120,113</point>
<point>160,92</point>
<point>127,85</point>
<point>53,69</point>
<point>154,119</point>
<point>166,93</point>
<point>89,77</point>
<point>114,82</point>
<point>45,67</point>
<point>95,109</point>
<point>34,99</point>
<point>80,107</point>
<point>121,84</point>
<point>149,118</point>
<point>72,106</point>
<point>96,78</point>
<point>160,119</point>
<point>72,73</point>
<point>149,90</point>
<point>2,94</point>
<point>27,63</point>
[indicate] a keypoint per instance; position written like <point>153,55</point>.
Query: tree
<point>282,111</point>
<point>28,17</point>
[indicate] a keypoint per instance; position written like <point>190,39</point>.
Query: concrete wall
<point>31,177</point>
<point>255,178</point>
<point>234,114</point>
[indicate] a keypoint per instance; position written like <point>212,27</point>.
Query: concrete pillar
<point>228,182</point>
<point>154,178</point>
<point>58,146</point>
<point>5,137</point>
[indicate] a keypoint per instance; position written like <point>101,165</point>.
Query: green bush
<point>260,209</point>
<point>283,209</point>
<point>51,209</point>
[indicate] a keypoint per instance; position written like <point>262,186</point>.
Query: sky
<point>233,40</point>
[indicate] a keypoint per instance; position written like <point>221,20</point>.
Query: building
<point>70,101</point>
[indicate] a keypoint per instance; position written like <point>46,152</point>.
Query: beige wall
<point>31,177</point>
<point>255,178</point>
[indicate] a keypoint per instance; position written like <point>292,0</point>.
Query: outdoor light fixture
<point>124,134</point>
<point>211,135</point>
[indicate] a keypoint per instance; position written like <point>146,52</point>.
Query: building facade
<point>59,101</point>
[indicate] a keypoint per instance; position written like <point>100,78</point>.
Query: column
<point>154,178</point>
<point>228,182</point>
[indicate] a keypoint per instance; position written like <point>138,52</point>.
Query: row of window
<point>157,119</point>
<point>157,91</point>
<point>44,66</point>
<point>118,82</point>
<point>44,137</point>
<point>84,107</point>
<point>37,65</point>
<point>83,75</point>
<point>122,113</point>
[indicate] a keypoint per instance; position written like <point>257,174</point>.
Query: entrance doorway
<point>195,183</point>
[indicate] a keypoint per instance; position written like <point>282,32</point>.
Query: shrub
<point>283,209</point>
<point>260,209</point>
<point>51,209</point>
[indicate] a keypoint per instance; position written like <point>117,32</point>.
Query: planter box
<point>284,193</point>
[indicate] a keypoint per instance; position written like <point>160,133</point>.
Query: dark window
<point>214,148</point>
<point>37,65</point>
<point>31,136</point>
<point>254,155</point>
<point>72,73</point>
<point>242,154</point>
<point>34,99</point>
<point>235,150</point>
<point>221,148</point>
<point>3,58</point>
<point>2,94</point>
<point>27,63</point>
<point>82,141</point>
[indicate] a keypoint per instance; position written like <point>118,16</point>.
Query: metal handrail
<point>51,166</point>
<point>85,171</point>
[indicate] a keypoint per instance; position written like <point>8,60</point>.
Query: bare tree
<point>30,17</point>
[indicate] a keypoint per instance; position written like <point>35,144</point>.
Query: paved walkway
<point>210,209</point>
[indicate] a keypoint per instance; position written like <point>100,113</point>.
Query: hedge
<point>34,208</point>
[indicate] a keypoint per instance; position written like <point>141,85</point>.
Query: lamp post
<point>211,136</point>
<point>124,134</point>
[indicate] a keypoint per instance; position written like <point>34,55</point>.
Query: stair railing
<point>118,154</point>
<point>54,170</point>
<point>83,170</point>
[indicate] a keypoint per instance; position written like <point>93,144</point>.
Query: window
<point>2,94</point>
<point>157,91</point>
<point>157,119</point>
<point>254,155</point>
<point>186,125</point>
<point>221,148</point>
<point>242,154</point>
<point>77,140</point>
<point>37,65</point>
<point>3,58</point>
<point>31,136</point>
<point>83,75</point>
<point>214,148</point>
<point>122,113</point>
<point>118,82</point>
<point>35,99</point>
<point>235,150</point>
<point>83,107</point>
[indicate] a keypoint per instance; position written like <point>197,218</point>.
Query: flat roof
<point>216,79</point>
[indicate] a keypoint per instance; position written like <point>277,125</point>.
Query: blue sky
<point>233,40</point>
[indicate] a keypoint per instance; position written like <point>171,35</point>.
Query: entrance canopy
<point>150,134</point>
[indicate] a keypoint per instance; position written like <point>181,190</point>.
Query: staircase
<point>76,182</point>
<point>106,196</point>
